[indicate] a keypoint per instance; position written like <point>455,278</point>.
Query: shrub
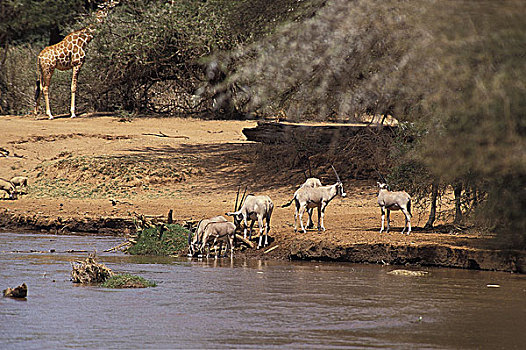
<point>161,240</point>
<point>125,280</point>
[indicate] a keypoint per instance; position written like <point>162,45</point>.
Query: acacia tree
<point>334,63</point>
<point>476,106</point>
<point>158,52</point>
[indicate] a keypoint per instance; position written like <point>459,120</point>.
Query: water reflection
<point>242,303</point>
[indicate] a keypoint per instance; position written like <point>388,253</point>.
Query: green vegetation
<point>163,240</point>
<point>125,280</point>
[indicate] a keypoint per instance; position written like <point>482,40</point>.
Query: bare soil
<point>105,170</point>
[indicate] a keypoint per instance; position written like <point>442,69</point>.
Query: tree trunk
<point>432,212</point>
<point>475,198</point>
<point>458,212</point>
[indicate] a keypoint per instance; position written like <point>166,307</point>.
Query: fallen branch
<point>246,241</point>
<point>98,114</point>
<point>119,246</point>
<point>161,134</point>
<point>270,249</point>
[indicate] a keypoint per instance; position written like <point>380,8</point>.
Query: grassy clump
<point>126,280</point>
<point>162,240</point>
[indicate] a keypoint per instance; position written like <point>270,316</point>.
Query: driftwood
<point>272,132</point>
<point>89,271</point>
<point>79,115</point>
<point>246,241</point>
<point>271,249</point>
<point>161,134</point>
<point>17,292</point>
<point>122,245</point>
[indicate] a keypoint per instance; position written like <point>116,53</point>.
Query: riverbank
<point>94,175</point>
<point>311,246</point>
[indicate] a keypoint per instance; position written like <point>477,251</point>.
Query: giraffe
<point>68,54</point>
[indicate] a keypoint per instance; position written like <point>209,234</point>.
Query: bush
<point>125,280</point>
<point>163,240</point>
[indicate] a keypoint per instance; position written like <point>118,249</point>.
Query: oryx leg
<point>219,253</point>
<point>388,220</point>
<point>231,246</point>
<point>407,220</point>
<point>321,215</point>
<point>261,230</point>
<point>208,248</point>
<point>296,213</point>
<point>300,218</point>
<point>310,224</point>
<point>245,229</point>
<point>383,219</point>
<point>251,226</point>
<point>267,227</point>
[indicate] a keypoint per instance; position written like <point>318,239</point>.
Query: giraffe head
<point>104,8</point>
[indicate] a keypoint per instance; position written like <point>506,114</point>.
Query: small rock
<point>18,292</point>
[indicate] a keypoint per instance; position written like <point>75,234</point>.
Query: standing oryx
<point>388,200</point>
<point>311,182</point>
<point>315,197</point>
<point>194,243</point>
<point>254,208</point>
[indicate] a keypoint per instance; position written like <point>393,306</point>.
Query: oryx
<point>389,200</point>
<point>315,197</point>
<point>195,239</point>
<point>254,208</point>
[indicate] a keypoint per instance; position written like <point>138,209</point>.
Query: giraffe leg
<point>38,92</point>
<point>76,70</point>
<point>46,81</point>
<point>45,90</point>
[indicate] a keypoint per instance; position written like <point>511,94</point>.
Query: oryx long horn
<point>242,198</point>
<point>336,173</point>
<point>381,176</point>
<point>237,197</point>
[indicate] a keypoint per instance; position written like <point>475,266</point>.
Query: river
<point>249,303</point>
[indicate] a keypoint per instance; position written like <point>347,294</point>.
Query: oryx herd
<point>311,194</point>
<point>12,187</point>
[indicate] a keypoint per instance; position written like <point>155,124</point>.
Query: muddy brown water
<point>250,303</point>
